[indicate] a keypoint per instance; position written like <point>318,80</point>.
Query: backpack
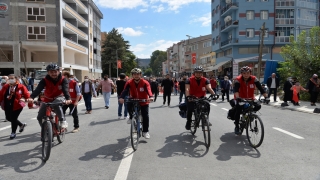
<point>316,110</point>
<point>231,113</point>
<point>183,110</point>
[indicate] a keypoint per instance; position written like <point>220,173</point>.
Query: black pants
<point>144,114</point>
<point>165,94</point>
<point>274,93</point>
<point>287,96</point>
<point>225,92</point>
<point>181,95</point>
<point>190,109</point>
<point>313,97</point>
<point>57,110</point>
<point>155,94</point>
<point>74,114</point>
<point>12,116</point>
<point>237,114</point>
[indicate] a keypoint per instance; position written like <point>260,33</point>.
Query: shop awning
<point>216,66</point>
<point>246,59</point>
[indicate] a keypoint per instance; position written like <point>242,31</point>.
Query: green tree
<point>113,42</point>
<point>128,63</point>
<point>147,72</point>
<point>157,58</point>
<point>301,56</point>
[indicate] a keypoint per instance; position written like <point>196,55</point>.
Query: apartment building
<point>38,32</point>
<point>236,28</point>
<point>183,56</point>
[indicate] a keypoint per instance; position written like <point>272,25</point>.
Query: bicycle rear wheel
<point>194,124</point>
<point>255,131</point>
<point>134,134</point>
<point>206,130</point>
<point>46,140</point>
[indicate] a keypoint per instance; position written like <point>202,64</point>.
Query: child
<point>296,88</point>
<point>265,88</point>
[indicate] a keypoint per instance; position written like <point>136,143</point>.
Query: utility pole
<point>260,50</point>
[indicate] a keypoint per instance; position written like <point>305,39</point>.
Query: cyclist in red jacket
<point>197,86</point>
<point>244,86</point>
<point>138,88</point>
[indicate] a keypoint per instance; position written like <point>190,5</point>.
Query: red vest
<point>52,91</point>
<point>72,90</point>
<point>197,90</point>
<point>20,92</point>
<point>246,89</point>
<point>140,91</point>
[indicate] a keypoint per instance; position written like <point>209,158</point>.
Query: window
<point>250,33</point>
<point>213,26</point>
<point>36,33</point>
<point>90,23</point>
<point>266,33</point>
<point>250,15</point>
<point>250,0</point>
<point>228,52</point>
<point>253,50</point>
<point>264,14</point>
<point>35,0</point>
<point>36,14</point>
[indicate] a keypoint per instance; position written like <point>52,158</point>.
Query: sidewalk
<point>304,105</point>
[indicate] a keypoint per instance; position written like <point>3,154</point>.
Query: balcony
<point>229,42</point>
<point>68,12</point>
<point>229,26</point>
<point>71,29</point>
<point>74,46</point>
<point>284,3</point>
<point>229,8</point>
<point>82,6</point>
<point>284,21</point>
<point>282,39</point>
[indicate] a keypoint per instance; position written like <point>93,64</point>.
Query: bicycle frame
<point>53,120</point>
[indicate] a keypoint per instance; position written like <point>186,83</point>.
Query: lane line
<point>289,133</point>
<point>225,109</point>
<point>125,164</point>
<point>33,118</point>
<point>6,127</point>
<point>213,104</point>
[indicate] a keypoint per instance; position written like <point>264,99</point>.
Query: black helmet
<point>52,67</point>
<point>245,69</point>
<point>198,69</point>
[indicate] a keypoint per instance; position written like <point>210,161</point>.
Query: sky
<point>151,25</point>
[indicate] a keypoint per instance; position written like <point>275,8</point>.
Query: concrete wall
<point>69,56</point>
<point>45,57</point>
<point>81,59</point>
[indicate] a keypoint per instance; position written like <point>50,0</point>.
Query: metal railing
<point>229,23</point>
<point>228,6</point>
<point>229,41</point>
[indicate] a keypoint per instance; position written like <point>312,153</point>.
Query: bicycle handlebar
<point>49,103</point>
<point>136,100</point>
<point>210,98</point>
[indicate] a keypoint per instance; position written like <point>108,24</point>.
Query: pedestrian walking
<point>167,87</point>
<point>225,88</point>
<point>120,87</point>
<point>87,90</point>
<point>213,83</point>
<point>313,88</point>
<point>154,88</point>
<point>288,93</point>
<point>12,100</point>
<point>106,86</point>
<point>182,89</point>
<point>296,88</point>
<point>31,82</point>
<point>75,95</point>
<point>273,83</point>
<point>176,83</point>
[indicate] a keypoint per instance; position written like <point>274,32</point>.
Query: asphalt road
<point>101,149</point>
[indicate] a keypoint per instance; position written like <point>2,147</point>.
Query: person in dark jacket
<point>154,88</point>
<point>225,88</point>
<point>287,90</point>
<point>120,87</point>
<point>273,84</point>
<point>313,86</point>
<point>167,86</point>
<point>182,89</point>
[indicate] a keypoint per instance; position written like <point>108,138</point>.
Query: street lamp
<point>116,57</point>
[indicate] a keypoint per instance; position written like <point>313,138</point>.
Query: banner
<point>194,58</point>
<point>119,64</point>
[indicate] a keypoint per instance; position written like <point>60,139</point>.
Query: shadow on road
<point>93,123</point>
<point>115,152</point>
<point>235,146</point>
<point>23,161</point>
<point>183,144</point>
<point>21,139</point>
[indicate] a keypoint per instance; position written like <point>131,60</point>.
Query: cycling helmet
<point>52,67</point>
<point>198,69</point>
<point>245,69</point>
<point>136,71</point>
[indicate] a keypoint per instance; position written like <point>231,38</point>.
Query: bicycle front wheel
<point>194,124</point>
<point>255,131</point>
<point>206,130</point>
<point>134,134</point>
<point>46,140</point>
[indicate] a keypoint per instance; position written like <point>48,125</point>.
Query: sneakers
<point>13,135</point>
<point>188,126</point>
<point>129,121</point>
<point>63,124</point>
<point>21,128</point>
<point>107,107</point>
<point>119,117</point>
<point>75,130</point>
<point>237,130</point>
<point>125,117</point>
<point>146,135</point>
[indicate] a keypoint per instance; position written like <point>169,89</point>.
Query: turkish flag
<point>194,59</point>
<point>119,64</point>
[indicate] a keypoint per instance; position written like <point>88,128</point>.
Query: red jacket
<point>20,92</point>
<point>140,91</point>
<point>246,89</point>
<point>197,90</point>
<point>52,91</point>
<point>213,83</point>
<point>72,90</point>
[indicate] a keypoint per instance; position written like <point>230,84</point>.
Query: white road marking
<point>125,164</point>
<point>225,109</point>
<point>213,104</point>
<point>289,133</point>
<point>33,118</point>
<point>7,127</point>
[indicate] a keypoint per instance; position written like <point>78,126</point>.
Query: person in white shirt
<point>273,84</point>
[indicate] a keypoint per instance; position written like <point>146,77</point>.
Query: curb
<point>293,109</point>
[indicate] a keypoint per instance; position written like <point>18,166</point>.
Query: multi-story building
<point>35,33</point>
<point>236,27</point>
<point>179,56</point>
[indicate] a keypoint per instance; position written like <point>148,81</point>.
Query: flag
<point>194,58</point>
<point>119,64</point>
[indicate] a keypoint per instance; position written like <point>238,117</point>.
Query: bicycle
<point>201,113</point>
<point>250,121</point>
<point>136,127</point>
<point>50,128</point>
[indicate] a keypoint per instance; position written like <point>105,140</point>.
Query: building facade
<point>237,27</point>
<point>38,32</point>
